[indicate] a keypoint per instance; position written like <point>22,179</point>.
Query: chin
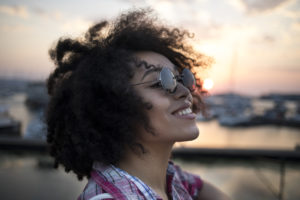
<point>192,134</point>
<point>195,134</point>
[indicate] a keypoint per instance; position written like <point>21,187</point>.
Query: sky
<point>255,44</point>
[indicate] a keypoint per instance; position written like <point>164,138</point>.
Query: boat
<point>37,97</point>
<point>9,127</point>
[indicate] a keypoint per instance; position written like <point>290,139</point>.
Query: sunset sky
<point>255,43</point>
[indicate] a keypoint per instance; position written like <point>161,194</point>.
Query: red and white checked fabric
<point>123,186</point>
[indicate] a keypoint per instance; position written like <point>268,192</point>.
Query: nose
<point>182,92</point>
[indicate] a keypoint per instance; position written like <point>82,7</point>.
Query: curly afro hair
<point>93,108</point>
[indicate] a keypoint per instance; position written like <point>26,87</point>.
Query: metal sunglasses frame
<point>190,84</point>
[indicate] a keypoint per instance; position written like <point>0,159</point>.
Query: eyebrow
<point>156,69</point>
<point>151,70</point>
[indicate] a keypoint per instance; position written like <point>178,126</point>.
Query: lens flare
<point>208,84</point>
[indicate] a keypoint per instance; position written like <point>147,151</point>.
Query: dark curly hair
<point>93,109</point>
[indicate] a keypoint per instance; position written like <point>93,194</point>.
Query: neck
<point>150,167</point>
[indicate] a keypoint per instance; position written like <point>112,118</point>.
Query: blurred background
<point>249,142</point>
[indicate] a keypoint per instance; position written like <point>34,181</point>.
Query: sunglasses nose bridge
<point>180,91</point>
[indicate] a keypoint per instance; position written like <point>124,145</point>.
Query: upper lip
<point>183,106</point>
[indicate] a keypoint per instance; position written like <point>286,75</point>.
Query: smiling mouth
<point>185,113</point>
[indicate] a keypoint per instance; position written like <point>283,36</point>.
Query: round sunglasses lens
<point>167,79</point>
<point>188,79</point>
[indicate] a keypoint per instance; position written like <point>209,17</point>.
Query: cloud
<point>16,10</point>
<point>263,39</point>
<point>25,13</point>
<point>56,15</point>
<point>258,6</point>
<point>19,28</point>
<point>178,10</point>
<point>296,26</point>
<point>293,14</point>
<point>134,1</point>
<point>76,26</point>
<point>191,17</point>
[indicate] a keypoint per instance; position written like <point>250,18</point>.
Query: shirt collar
<point>118,176</point>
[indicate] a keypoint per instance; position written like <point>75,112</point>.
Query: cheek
<point>159,100</point>
<point>160,112</point>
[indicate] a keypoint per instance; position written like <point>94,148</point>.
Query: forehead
<point>152,60</point>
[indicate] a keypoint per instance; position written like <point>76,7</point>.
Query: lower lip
<point>190,116</point>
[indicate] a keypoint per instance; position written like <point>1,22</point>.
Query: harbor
<point>234,110</point>
<point>30,174</point>
<point>227,152</point>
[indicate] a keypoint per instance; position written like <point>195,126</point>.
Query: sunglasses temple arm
<point>144,83</point>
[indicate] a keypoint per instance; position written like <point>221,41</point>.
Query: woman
<point>120,98</point>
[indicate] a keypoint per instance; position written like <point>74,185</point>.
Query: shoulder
<point>191,182</point>
<point>91,189</point>
<point>185,176</point>
<point>108,179</point>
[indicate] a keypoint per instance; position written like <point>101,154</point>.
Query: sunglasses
<point>168,81</point>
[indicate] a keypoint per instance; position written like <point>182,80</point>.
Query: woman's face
<point>167,117</point>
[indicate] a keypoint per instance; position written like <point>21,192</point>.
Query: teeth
<point>185,111</point>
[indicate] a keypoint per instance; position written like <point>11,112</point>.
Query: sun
<point>208,84</point>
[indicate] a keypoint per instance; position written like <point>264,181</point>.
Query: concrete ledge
<point>19,144</point>
<point>191,153</point>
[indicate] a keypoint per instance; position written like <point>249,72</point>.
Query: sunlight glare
<point>208,84</point>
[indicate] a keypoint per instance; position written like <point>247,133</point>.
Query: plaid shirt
<point>121,185</point>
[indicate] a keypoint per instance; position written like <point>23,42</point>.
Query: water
<point>211,133</point>
<point>30,176</point>
<point>31,120</point>
<point>248,180</point>
<point>264,137</point>
<point>18,110</point>
<point>23,177</point>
